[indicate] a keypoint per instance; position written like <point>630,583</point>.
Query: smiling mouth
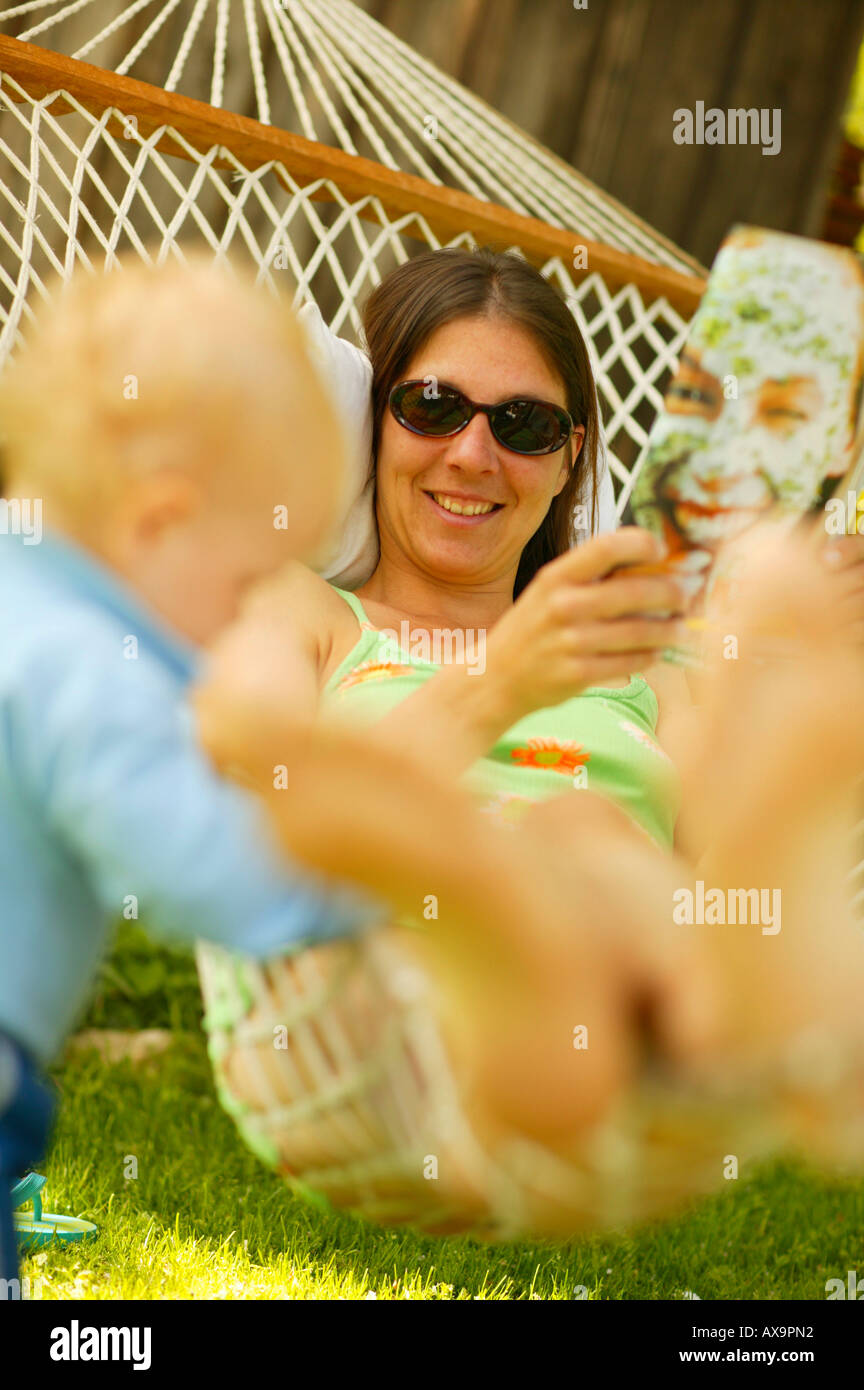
<point>459,507</point>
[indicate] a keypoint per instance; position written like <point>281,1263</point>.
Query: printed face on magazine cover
<point>763,405</point>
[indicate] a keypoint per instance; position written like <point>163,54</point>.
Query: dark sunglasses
<point>523,426</point>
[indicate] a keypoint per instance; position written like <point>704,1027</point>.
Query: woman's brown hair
<point>432,289</point>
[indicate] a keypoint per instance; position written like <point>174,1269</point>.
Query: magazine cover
<point>759,420</point>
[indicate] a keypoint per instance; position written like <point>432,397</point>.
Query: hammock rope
<point>369,69</point>
<point>65,180</point>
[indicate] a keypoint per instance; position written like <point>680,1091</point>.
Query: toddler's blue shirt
<point>106,800</point>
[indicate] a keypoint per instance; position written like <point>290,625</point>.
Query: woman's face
<point>491,360</point>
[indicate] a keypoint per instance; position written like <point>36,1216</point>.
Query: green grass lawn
<point>204,1219</point>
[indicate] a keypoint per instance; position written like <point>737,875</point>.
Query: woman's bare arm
<point>578,623</point>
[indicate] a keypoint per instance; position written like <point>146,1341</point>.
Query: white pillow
<point>347,371</point>
<point>607,513</point>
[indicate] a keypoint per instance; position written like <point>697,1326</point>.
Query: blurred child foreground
<point>180,446</point>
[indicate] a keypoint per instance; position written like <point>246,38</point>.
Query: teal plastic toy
<point>40,1228</point>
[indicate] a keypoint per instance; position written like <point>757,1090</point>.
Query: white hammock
<point>388,157</point>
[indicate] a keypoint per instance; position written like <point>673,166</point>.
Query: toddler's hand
<point>259,680</point>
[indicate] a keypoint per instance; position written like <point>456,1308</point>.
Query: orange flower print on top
<point>372,671</point>
<point>547,753</point>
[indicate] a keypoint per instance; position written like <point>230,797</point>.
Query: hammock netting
<point>119,140</point>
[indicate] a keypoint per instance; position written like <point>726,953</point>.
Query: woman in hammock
<point>469,508</point>
<point>562,906</point>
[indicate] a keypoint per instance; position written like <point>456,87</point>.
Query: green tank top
<point>602,739</point>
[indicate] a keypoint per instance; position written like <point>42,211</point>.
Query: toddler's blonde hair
<point>140,368</point>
